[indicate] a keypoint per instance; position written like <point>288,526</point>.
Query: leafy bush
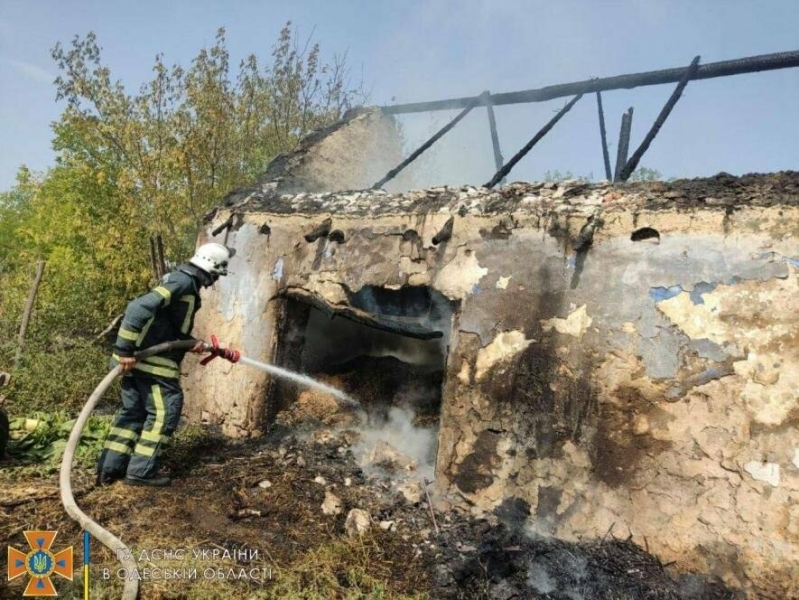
<point>42,438</point>
<point>58,377</point>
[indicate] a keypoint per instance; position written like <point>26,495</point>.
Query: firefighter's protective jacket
<point>165,314</point>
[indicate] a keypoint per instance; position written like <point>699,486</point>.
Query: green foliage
<point>42,437</point>
<point>60,373</point>
<point>130,165</point>
<point>640,174</point>
<point>645,174</point>
<point>558,176</point>
<point>191,135</point>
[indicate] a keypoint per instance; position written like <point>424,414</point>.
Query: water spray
<point>235,356</point>
<point>107,538</point>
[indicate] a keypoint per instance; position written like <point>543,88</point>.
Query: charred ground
<point>220,500</point>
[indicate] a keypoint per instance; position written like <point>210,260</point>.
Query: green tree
<point>129,165</point>
<point>190,135</point>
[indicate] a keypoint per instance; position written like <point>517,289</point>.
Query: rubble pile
<point>299,489</point>
<point>722,190</point>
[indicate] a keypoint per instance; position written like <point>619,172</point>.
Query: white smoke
<point>417,443</point>
<point>539,579</point>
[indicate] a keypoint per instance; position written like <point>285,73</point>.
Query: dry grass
<point>216,504</point>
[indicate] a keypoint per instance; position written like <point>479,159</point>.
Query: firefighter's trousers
<point>150,412</point>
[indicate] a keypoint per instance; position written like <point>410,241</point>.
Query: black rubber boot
<point>156,481</point>
<point>106,478</point>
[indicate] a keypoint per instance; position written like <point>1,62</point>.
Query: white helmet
<point>213,258</point>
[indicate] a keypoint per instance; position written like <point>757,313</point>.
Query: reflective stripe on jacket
<point>164,314</point>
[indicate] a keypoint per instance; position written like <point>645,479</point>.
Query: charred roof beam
<point>690,73</point>
<point>624,143</point>
<point>750,64</point>
<point>603,135</point>
<point>481,99</point>
<point>499,175</point>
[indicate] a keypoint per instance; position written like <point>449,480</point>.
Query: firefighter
<point>152,399</point>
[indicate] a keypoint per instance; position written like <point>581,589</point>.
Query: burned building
<point>618,358</point>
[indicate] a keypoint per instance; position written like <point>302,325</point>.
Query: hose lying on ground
<point>107,538</point>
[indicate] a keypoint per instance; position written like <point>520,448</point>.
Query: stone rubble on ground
<point>470,551</point>
<point>332,504</point>
<point>411,490</point>
<point>388,525</point>
<point>358,522</point>
<point>386,456</point>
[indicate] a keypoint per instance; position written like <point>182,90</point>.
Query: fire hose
<point>108,539</point>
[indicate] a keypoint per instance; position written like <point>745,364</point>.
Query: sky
<point>408,51</point>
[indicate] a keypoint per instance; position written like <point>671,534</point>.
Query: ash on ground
<point>497,556</point>
<point>301,489</point>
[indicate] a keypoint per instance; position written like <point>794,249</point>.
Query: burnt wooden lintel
<point>395,325</point>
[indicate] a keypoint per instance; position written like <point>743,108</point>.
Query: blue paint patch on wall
<point>700,288</point>
<point>277,272</point>
<point>792,261</point>
<point>659,294</point>
<point>572,262</point>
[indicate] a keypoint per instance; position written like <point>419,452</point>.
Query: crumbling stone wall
<point>351,154</point>
<point>623,357</point>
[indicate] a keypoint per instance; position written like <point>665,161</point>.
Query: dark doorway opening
<point>378,366</point>
<point>387,349</point>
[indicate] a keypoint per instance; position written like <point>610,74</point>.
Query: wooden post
<point>603,134</point>
<point>624,142</point>
<point>492,124</point>
<point>664,113</point>
<point>161,262</point>
<point>26,315</point>
<point>154,259</point>
<point>157,257</point>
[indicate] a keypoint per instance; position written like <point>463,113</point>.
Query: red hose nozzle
<point>226,353</point>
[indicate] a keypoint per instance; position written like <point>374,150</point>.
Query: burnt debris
<point>445,233</point>
<point>322,230</point>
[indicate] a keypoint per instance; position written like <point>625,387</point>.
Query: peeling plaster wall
<point>646,385</point>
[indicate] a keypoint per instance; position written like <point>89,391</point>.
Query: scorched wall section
<point>621,357</point>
